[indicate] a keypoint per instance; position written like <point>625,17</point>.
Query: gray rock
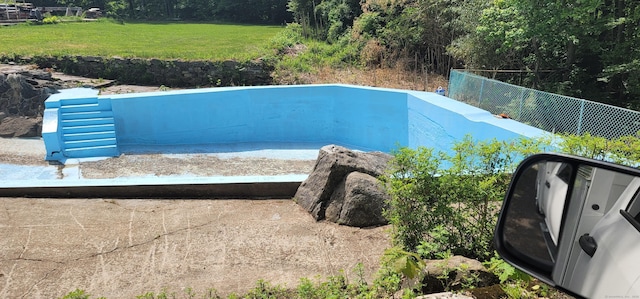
<point>21,95</point>
<point>357,201</point>
<point>444,295</point>
<point>455,273</point>
<point>38,74</point>
<point>334,163</point>
<point>174,73</point>
<point>21,127</point>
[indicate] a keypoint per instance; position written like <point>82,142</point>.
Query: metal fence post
<point>522,89</point>
<point>580,117</point>
<point>480,95</point>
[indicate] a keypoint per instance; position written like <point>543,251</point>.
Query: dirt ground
<point>126,248</point>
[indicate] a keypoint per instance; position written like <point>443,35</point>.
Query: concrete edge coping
<point>239,187</point>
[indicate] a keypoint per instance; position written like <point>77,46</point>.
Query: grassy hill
<point>189,41</point>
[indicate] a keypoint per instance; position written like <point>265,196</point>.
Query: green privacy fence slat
<point>546,111</point>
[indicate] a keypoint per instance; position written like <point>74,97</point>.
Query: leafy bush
<point>265,290</point>
<point>448,204</point>
<point>78,294</point>
<point>287,38</point>
<point>504,271</point>
<point>368,24</point>
<point>442,202</point>
<point>407,263</point>
<point>51,20</point>
<point>623,150</point>
<point>515,283</point>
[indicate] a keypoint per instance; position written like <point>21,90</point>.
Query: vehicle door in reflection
<point>613,268</point>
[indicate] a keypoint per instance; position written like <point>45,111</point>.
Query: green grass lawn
<point>189,41</point>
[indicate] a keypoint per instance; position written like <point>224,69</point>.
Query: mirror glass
<point>533,219</point>
<point>568,222</point>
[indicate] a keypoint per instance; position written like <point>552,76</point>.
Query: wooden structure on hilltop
<point>21,12</point>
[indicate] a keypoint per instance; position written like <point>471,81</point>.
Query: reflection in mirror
<point>574,223</point>
<point>534,216</point>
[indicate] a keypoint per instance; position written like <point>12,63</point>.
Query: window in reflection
<point>534,216</point>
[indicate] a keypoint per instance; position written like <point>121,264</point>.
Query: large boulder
<point>22,95</point>
<point>455,273</point>
<point>357,201</point>
<point>333,165</point>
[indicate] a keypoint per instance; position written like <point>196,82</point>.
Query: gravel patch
<point>191,165</point>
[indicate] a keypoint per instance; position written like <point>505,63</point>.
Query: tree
<point>417,32</point>
<point>325,19</point>
<point>586,49</point>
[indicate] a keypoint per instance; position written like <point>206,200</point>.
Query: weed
<point>407,263</point>
<point>468,279</point>
<point>504,271</point>
<point>189,292</point>
<point>517,290</point>
<point>51,20</point>
<point>162,295</point>
<point>264,290</point>
<point>387,281</point>
<point>76,294</point>
<point>623,150</point>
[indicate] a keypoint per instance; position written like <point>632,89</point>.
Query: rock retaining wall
<point>23,94</point>
<point>22,97</point>
<point>171,73</point>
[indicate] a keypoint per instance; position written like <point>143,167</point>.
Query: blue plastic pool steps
<point>87,129</point>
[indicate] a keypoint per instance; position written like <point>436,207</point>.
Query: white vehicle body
<point>585,215</point>
<point>614,269</point>
<point>550,198</point>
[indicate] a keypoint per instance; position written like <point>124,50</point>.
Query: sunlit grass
<point>189,41</point>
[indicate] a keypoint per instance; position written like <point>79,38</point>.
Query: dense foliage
<point>449,203</point>
<point>587,49</point>
<point>237,11</point>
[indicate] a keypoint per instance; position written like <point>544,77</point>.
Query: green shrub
<point>442,202</point>
<point>287,38</point>
<point>623,150</point>
<point>265,290</point>
<point>295,56</point>
<point>51,20</point>
<point>78,294</point>
<point>368,24</point>
<point>504,271</point>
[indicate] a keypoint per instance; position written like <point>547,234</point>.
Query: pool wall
<point>363,118</point>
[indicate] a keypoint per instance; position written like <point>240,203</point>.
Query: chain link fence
<point>543,110</point>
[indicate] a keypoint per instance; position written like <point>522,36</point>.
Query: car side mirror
<point>574,223</point>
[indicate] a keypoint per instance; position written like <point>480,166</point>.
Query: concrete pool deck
<point>198,171</point>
